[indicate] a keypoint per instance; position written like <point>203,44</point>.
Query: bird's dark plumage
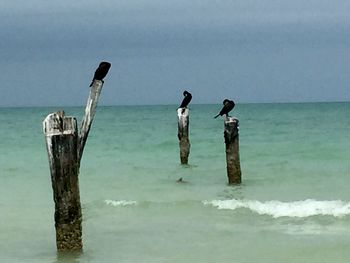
<point>187,99</point>
<point>101,71</point>
<point>228,106</point>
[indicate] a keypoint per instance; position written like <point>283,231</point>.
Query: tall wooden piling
<point>232,150</point>
<point>61,136</point>
<point>183,134</point>
<point>65,147</point>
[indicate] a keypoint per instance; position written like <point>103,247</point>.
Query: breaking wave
<point>276,209</point>
<point>120,203</point>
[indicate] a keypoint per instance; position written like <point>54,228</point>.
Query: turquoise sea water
<point>293,204</point>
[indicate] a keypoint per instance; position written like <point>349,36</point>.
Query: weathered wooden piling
<point>61,142</point>
<point>65,148</point>
<point>232,150</point>
<point>183,134</point>
<point>90,110</point>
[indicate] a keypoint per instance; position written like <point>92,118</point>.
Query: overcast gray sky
<point>247,50</point>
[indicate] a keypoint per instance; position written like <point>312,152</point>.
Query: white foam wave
<point>305,208</point>
<point>120,203</point>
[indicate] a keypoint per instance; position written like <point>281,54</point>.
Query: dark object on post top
<point>101,71</point>
<point>187,99</point>
<point>228,106</point>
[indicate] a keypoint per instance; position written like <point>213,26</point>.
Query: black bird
<point>187,99</point>
<point>228,106</point>
<point>101,71</point>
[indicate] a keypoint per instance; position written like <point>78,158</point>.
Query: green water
<point>293,204</point>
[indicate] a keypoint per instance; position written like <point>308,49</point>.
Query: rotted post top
<point>231,128</point>
<point>229,119</point>
<point>182,112</point>
<point>58,124</point>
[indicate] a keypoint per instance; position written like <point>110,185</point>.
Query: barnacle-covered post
<point>65,147</point>
<point>183,134</point>
<point>232,150</point>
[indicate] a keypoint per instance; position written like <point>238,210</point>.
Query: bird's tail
<point>217,116</point>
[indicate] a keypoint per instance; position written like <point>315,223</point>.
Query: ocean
<point>293,204</point>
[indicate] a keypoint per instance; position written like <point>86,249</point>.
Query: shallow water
<point>293,204</point>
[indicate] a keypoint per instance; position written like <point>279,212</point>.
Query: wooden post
<point>61,136</point>
<point>90,110</point>
<point>183,134</point>
<point>65,149</point>
<point>232,150</point>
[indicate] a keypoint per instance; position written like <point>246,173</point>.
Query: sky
<point>246,50</point>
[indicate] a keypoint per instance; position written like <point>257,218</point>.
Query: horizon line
<point>144,105</point>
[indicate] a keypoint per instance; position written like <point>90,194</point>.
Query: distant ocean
<point>293,204</point>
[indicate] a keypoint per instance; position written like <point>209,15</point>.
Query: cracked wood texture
<point>61,136</point>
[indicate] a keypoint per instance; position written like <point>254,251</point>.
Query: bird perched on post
<point>101,71</point>
<point>186,100</point>
<point>228,106</point>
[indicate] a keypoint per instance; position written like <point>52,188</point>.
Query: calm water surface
<point>293,204</point>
